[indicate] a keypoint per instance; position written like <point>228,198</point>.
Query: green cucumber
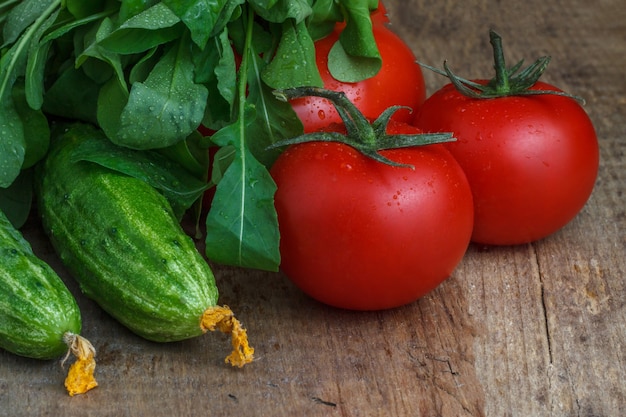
<point>39,317</point>
<point>121,241</point>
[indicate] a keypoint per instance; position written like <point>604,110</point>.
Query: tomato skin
<point>362,235</point>
<point>399,82</point>
<point>531,161</point>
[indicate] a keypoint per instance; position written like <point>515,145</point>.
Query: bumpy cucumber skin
<point>121,241</point>
<point>36,308</point>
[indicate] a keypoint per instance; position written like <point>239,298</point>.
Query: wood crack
<point>544,306</point>
<point>323,402</point>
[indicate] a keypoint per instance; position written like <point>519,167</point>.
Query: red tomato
<point>363,235</point>
<point>531,161</point>
<point>399,82</point>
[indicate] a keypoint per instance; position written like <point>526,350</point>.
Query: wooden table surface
<point>532,330</point>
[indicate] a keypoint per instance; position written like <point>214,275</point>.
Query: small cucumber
<point>121,241</point>
<point>39,317</point>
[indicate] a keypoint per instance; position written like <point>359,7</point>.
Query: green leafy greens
<point>148,74</point>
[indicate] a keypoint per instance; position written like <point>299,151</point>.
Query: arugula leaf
<point>16,200</point>
<point>12,143</point>
<point>294,63</point>
<point>355,56</point>
<point>84,9</point>
<point>35,63</point>
<point>24,15</point>
<point>242,227</point>
<point>130,8</point>
<point>161,111</point>
<point>203,18</point>
<point>23,28</point>
<point>81,105</point>
<point>93,49</point>
<point>275,120</point>
<point>226,70</point>
<point>216,68</point>
<point>35,127</point>
<point>72,93</point>
<point>221,161</point>
<point>177,184</point>
<point>154,26</point>
<point>278,11</point>
<point>190,154</point>
<point>326,13</point>
<point>112,98</point>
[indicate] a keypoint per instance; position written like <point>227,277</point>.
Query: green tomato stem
<point>514,81</point>
<point>356,123</point>
<point>502,85</point>
<point>368,138</point>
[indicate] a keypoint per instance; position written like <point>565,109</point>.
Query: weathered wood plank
<point>535,330</point>
<point>553,312</point>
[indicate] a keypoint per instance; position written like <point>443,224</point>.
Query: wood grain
<point>533,330</point>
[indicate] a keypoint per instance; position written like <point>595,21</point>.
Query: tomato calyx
<point>513,81</point>
<point>367,137</point>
